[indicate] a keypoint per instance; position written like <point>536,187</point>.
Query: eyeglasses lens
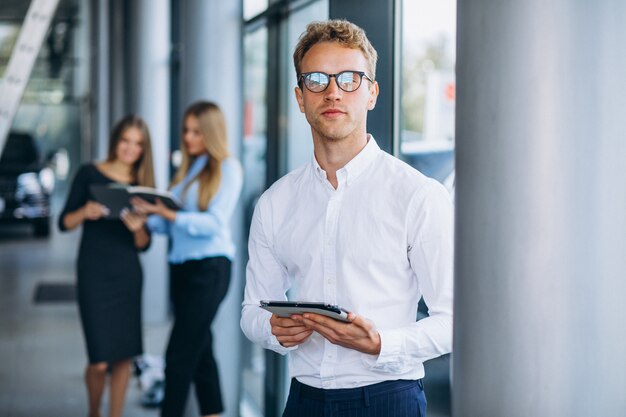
<point>348,81</point>
<point>318,81</point>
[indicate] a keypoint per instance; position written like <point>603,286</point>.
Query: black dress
<point>109,278</point>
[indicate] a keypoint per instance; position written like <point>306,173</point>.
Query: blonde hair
<point>143,170</point>
<point>213,128</point>
<point>344,33</point>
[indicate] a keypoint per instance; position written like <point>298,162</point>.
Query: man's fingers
<point>284,321</point>
<point>294,340</point>
<point>288,331</point>
<point>359,333</point>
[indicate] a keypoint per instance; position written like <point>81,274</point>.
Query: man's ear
<point>371,103</point>
<point>299,98</point>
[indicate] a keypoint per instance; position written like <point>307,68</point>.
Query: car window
<point>20,150</point>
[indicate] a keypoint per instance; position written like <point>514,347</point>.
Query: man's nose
<point>332,92</point>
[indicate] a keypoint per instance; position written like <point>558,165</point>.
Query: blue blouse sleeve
<point>158,224</point>
<point>221,208</point>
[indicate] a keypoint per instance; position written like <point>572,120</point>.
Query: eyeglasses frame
<point>305,74</point>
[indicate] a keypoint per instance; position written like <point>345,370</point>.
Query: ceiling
<point>14,11</point>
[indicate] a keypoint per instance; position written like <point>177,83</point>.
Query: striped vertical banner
<point>23,57</point>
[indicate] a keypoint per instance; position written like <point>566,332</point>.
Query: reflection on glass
<point>52,108</point>
<point>255,112</point>
<point>253,7</point>
<point>428,86</point>
<point>253,157</point>
<point>53,74</point>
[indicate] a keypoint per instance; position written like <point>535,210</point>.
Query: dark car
<point>26,183</point>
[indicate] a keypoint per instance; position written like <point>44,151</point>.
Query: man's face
<point>335,114</point>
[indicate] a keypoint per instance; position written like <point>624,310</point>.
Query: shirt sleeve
<point>221,208</point>
<point>430,251</point>
<point>158,224</point>
<point>266,279</point>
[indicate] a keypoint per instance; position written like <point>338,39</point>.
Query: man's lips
<point>332,113</point>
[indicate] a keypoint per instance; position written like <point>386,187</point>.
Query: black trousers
<point>197,288</point>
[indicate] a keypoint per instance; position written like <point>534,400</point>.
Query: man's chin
<point>333,135</point>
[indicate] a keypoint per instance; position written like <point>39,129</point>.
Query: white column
<point>211,69</point>
<point>100,119</point>
<point>541,209</point>
<point>152,101</point>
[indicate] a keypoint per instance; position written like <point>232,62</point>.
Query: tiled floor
<point>42,355</point>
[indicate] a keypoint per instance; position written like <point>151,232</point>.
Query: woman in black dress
<point>109,275</point>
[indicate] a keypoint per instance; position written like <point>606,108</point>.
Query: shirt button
<point>330,281</point>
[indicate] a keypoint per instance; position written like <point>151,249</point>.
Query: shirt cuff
<point>392,358</point>
<point>155,224</point>
<point>183,221</point>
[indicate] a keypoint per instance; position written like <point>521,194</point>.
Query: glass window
<point>255,111</point>
<point>254,165</point>
<point>252,8</point>
<point>298,143</point>
<point>53,105</point>
<point>428,87</point>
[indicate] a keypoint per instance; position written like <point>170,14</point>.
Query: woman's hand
<point>94,211</point>
<point>133,220</point>
<point>141,206</point>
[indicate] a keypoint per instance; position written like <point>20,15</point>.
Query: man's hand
<point>359,334</point>
<point>288,331</point>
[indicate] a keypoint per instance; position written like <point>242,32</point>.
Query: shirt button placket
<point>330,282</point>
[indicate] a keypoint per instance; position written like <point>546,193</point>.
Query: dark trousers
<point>197,288</point>
<point>386,399</point>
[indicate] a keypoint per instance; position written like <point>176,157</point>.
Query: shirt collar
<point>362,160</point>
<point>356,166</point>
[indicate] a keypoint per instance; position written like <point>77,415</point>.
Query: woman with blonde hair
<point>109,275</point>
<point>208,183</point>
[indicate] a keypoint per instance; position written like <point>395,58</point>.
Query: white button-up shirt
<point>373,246</point>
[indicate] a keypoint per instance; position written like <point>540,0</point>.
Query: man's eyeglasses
<point>348,81</point>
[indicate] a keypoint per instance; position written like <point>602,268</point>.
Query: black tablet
<point>287,308</point>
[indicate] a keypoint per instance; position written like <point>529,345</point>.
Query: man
<point>358,228</point>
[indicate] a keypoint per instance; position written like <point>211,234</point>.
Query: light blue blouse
<point>201,234</point>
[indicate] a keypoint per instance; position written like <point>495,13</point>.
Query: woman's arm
<point>78,207</point>
<point>221,207</point>
<point>90,211</point>
<point>136,222</point>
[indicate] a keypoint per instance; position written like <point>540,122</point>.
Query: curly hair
<point>344,33</point>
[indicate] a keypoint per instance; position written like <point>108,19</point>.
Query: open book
<point>116,197</point>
